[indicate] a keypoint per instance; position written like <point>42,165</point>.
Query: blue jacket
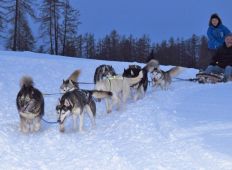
<point>216,36</point>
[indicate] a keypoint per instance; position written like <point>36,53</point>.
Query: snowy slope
<point>188,127</point>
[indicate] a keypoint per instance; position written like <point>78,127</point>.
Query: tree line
<point>58,34</point>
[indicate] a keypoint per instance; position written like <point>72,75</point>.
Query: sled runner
<point>209,78</point>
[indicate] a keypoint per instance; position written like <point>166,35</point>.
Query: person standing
<point>216,33</point>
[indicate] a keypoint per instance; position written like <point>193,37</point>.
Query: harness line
<point>49,122</point>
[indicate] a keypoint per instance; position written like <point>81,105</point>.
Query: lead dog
<point>30,105</point>
<point>76,101</point>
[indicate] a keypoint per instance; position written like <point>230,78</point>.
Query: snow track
<point>183,128</point>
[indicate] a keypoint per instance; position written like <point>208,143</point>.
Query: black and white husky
<point>133,71</point>
<point>30,105</point>
<point>76,101</point>
<point>103,71</point>
<point>141,87</point>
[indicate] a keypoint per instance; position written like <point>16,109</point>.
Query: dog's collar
<point>114,77</point>
<point>72,89</point>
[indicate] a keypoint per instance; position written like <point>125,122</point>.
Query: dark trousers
<point>212,52</point>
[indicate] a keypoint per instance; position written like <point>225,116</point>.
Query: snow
<point>187,127</point>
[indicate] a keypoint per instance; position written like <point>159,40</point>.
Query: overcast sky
<point>160,19</point>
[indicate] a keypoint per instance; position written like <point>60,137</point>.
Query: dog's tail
<point>135,80</point>
<point>99,94</point>
<point>26,81</point>
<point>151,65</point>
<point>174,71</point>
<point>74,76</point>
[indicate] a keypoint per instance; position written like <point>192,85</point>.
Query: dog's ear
<point>70,81</point>
<point>67,103</point>
<point>63,81</point>
<point>132,73</point>
<point>58,101</point>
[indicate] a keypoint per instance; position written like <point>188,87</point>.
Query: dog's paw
<point>36,127</point>
<point>82,130</point>
<point>24,130</point>
<point>62,129</point>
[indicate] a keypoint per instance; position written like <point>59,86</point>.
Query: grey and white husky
<point>76,101</point>
<point>30,105</point>
<point>72,84</point>
<point>164,78</point>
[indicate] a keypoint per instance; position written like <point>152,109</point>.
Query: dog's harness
<point>109,78</point>
<point>25,113</point>
<point>115,77</point>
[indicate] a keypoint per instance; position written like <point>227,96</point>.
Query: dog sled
<point>209,78</point>
<point>206,78</point>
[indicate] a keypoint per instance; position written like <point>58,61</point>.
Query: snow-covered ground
<point>188,127</point>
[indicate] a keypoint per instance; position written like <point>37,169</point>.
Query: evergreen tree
<point>89,45</point>
<point>204,59</point>
<point>49,24</point>
<point>2,13</point>
<point>114,45</point>
<point>70,25</point>
<point>142,48</point>
<point>79,45</point>
<point>126,48</point>
<point>105,48</point>
<point>21,37</point>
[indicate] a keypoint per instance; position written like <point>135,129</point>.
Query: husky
<point>164,78</point>
<point>141,87</point>
<point>30,105</point>
<point>76,103</point>
<point>103,71</point>
<point>117,85</point>
<point>71,82</point>
<point>133,71</point>
<point>71,87</point>
<point>152,65</point>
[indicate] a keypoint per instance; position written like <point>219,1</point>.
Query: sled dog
<point>85,100</point>
<point>103,71</point>
<point>120,88</point>
<point>71,84</point>
<point>164,78</point>
<point>30,105</point>
<point>141,87</point>
<point>152,65</point>
<point>76,103</point>
<point>133,71</point>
